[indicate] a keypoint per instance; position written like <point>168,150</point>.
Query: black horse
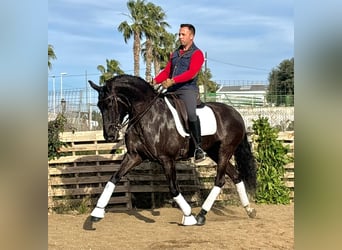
<point>151,134</point>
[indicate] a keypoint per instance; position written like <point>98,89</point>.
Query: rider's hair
<point>189,26</point>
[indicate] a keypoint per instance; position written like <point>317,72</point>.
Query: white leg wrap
<point>183,204</point>
<point>98,212</point>
<point>189,220</point>
<point>106,194</point>
<point>242,193</point>
<point>215,191</point>
<point>103,200</point>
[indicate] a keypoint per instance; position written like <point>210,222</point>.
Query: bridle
<point>116,124</point>
<point>131,122</point>
<point>114,109</point>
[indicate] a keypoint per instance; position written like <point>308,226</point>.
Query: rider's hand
<point>155,85</point>
<point>153,82</point>
<point>168,83</point>
<point>160,89</point>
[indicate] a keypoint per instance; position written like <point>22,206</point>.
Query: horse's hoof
<point>95,219</point>
<point>251,213</point>
<point>200,220</point>
<point>189,220</point>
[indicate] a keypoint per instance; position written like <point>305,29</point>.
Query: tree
<point>137,15</point>
<point>113,68</point>
<point>204,78</point>
<point>154,28</point>
<point>281,84</point>
<point>51,56</point>
<point>163,46</point>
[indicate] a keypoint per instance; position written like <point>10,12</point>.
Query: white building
<point>246,95</point>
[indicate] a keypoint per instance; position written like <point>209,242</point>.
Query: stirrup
<point>199,154</point>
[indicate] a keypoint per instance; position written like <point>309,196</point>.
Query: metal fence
<point>80,109</point>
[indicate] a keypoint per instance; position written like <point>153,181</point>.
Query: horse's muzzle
<point>110,139</point>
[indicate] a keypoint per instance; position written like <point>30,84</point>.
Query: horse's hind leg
<point>225,167</point>
<point>240,187</point>
<point>128,163</point>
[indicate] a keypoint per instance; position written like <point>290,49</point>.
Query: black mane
<point>129,81</point>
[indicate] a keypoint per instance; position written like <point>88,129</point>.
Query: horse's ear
<point>94,86</point>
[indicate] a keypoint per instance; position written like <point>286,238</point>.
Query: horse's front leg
<point>170,173</point>
<point>129,161</point>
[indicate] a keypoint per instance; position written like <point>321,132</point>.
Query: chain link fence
<point>79,106</point>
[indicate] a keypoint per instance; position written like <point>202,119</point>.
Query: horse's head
<point>113,112</point>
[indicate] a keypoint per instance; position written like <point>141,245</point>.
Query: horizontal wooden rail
<point>90,162</point>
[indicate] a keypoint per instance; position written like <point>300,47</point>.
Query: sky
<point>244,40</point>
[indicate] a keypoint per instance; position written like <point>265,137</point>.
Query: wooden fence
<point>80,176</point>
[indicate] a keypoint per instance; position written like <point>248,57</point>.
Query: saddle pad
<point>206,116</point>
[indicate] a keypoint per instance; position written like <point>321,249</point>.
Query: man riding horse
<point>180,77</point>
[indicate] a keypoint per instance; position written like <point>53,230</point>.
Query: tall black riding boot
<point>195,132</point>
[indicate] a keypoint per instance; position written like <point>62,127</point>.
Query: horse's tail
<point>246,165</point>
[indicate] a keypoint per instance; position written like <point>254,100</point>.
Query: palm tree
<point>137,15</point>
<point>51,55</point>
<point>113,68</point>
<point>204,78</point>
<point>164,46</point>
<point>153,29</point>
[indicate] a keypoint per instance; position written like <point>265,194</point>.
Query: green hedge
<point>271,156</point>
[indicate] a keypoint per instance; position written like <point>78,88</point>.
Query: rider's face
<point>185,37</point>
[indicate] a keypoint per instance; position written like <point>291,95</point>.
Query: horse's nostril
<point>112,138</point>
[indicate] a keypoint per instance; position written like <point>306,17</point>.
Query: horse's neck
<point>140,105</point>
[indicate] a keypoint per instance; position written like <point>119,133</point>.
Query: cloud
<point>256,34</point>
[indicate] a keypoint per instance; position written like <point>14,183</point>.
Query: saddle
<point>179,105</point>
<point>204,112</point>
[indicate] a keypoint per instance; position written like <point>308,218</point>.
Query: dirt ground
<point>226,227</point>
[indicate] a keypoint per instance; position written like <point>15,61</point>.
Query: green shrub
<point>69,205</point>
<point>55,127</point>
<point>271,156</point>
